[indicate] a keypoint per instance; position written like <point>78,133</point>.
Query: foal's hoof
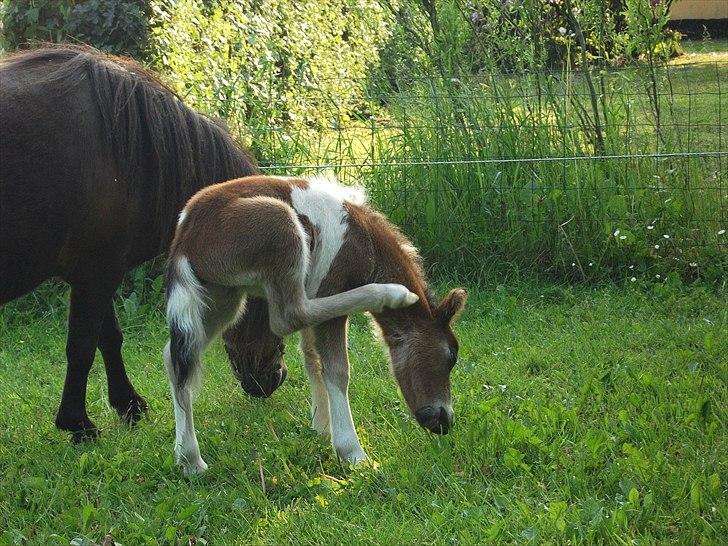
<point>132,410</point>
<point>398,296</point>
<point>193,470</point>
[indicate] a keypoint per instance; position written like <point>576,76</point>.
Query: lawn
<point>582,414</point>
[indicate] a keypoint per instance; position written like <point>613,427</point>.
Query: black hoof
<point>132,410</point>
<point>85,435</point>
<point>82,430</point>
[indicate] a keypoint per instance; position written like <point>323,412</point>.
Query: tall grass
<point>504,172</point>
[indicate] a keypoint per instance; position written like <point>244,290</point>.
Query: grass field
<point>582,415</point>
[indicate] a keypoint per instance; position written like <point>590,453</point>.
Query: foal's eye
<point>452,358</point>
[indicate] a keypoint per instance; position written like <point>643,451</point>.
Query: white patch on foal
<point>323,204</point>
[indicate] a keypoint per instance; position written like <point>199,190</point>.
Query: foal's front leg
<point>330,341</point>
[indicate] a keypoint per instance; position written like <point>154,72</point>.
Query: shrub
<point>116,26</point>
<point>257,62</point>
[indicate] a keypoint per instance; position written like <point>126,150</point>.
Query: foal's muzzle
<point>437,419</point>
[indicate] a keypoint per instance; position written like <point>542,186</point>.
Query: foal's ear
<point>452,305</point>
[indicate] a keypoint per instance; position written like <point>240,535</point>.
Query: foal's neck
<point>396,261</point>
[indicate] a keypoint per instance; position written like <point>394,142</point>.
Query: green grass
<point>589,415</point>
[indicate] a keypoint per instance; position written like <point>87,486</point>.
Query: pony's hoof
<point>133,410</point>
<point>82,430</point>
<point>88,433</point>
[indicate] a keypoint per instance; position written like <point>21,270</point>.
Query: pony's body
<point>317,254</point>
<point>96,159</point>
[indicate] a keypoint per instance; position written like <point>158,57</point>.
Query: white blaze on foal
<point>317,254</point>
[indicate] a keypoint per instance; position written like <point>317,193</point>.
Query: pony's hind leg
<point>122,395</point>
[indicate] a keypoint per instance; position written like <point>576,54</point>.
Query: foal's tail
<point>185,311</point>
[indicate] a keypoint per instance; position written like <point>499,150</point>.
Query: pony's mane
<point>149,128</point>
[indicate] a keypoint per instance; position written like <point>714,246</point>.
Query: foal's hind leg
<point>122,396</point>
<point>195,318</point>
<point>291,310</point>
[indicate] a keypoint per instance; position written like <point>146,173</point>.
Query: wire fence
<point>535,170</point>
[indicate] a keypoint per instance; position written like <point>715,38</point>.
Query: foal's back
<point>238,232</point>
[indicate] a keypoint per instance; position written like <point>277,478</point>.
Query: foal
<point>317,253</point>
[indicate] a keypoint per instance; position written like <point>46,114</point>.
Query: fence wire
<point>532,168</point>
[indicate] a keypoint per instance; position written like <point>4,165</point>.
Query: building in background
<point>698,17</point>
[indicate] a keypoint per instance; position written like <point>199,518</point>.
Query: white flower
<point>573,264</point>
<point>562,31</point>
<point>666,236</point>
<point>721,232</point>
<point>591,264</point>
<point>657,247</point>
<point>650,227</point>
<point>657,276</point>
<point>616,233</point>
<point>693,264</point>
<point>631,266</point>
<point>632,279</point>
<point>622,237</point>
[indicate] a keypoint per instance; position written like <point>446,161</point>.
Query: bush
<point>116,26</point>
<point>257,63</point>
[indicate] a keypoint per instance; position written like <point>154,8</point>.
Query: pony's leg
<point>291,310</point>
<point>122,395</point>
<point>89,303</point>
<point>330,340</point>
<point>216,309</point>
<point>319,396</point>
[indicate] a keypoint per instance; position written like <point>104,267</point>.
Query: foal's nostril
<point>443,425</point>
<point>435,419</point>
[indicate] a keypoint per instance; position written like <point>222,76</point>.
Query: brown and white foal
<point>317,253</point>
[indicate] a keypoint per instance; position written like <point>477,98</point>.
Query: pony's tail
<point>186,304</point>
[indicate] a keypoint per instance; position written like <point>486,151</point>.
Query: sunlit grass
<point>582,415</point>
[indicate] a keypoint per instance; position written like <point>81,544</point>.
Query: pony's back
<point>92,137</point>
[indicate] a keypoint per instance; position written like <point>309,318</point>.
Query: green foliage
<point>457,37</point>
<point>110,25</point>
<point>599,436</point>
<point>256,62</point>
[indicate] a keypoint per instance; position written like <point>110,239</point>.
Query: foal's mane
<point>397,251</point>
<point>156,139</point>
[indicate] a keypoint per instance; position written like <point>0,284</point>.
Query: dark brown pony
<point>97,158</point>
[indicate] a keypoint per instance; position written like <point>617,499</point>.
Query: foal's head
<point>423,355</point>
